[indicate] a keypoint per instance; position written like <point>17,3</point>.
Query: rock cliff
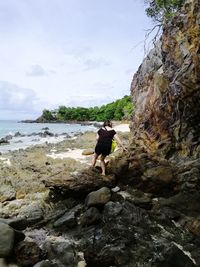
<point>166,89</point>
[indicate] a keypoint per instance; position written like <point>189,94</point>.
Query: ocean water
<point>12,127</point>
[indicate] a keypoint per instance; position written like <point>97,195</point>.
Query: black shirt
<point>105,136</point>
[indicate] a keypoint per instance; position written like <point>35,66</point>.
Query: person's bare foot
<point>103,174</point>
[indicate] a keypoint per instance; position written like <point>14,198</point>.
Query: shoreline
<point>61,147</point>
<point>94,123</point>
<point>17,141</point>
<point>24,170</point>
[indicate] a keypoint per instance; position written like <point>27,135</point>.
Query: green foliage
<point>47,115</point>
<point>117,110</point>
<point>162,10</point>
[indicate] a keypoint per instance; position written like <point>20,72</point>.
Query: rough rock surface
<point>166,89</point>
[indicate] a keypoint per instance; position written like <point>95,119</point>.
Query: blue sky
<point>67,52</point>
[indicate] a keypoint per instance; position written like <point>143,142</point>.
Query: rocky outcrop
<point>166,89</point>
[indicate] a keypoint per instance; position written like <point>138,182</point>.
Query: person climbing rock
<point>104,138</point>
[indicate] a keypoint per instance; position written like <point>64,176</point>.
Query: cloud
<point>64,49</point>
<point>79,50</point>
<point>91,64</point>
<point>17,101</point>
<point>36,70</point>
<point>87,100</point>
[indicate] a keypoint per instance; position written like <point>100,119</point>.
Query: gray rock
<point>116,189</point>
<point>18,134</point>
<point>69,218</point>
<point>33,214</point>
<point>28,253</point>
<point>99,197</point>
<point>174,256</point>
<point>61,251</point>
<point>7,192</point>
<point>44,263</point>
<point>8,137</point>
<point>16,223</point>
<point>3,141</point>
<point>6,240</point>
<point>91,216</point>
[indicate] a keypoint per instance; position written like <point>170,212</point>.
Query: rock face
<point>166,89</point>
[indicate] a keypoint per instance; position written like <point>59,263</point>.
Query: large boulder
<point>6,240</point>
<point>99,197</point>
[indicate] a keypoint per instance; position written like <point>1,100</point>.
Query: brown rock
<point>160,173</point>
<point>194,226</point>
<point>87,152</point>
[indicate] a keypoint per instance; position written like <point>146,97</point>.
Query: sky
<point>67,52</point>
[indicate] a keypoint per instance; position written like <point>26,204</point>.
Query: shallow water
<point>12,127</point>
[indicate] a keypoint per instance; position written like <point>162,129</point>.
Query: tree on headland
<point>47,115</point>
<point>117,110</point>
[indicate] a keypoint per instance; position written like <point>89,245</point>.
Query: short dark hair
<point>107,123</point>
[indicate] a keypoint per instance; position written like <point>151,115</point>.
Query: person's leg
<point>103,165</point>
<point>94,159</point>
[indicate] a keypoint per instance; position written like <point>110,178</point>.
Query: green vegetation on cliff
<point>162,10</point>
<point>117,110</point>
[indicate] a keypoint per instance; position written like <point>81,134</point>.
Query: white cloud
<point>67,53</point>
<point>91,64</point>
<point>17,101</point>
<point>87,100</point>
<point>36,70</point>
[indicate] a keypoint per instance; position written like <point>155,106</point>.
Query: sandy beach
<point>77,153</point>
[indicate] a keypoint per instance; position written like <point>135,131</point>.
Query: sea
<point>30,133</point>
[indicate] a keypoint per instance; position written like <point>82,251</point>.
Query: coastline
<point>14,135</point>
<point>23,170</point>
<point>22,137</point>
<point>48,139</point>
<point>94,123</point>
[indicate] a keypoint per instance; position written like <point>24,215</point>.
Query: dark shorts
<point>103,150</point>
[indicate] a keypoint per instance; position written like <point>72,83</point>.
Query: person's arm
<point>97,137</point>
<point>116,137</point>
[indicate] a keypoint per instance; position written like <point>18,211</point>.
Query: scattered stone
<point>99,197</point>
<point>69,218</point>
<point>116,189</point>
<point>4,141</point>
<point>87,152</point>
<point>44,263</point>
<point>18,134</point>
<point>28,253</point>
<point>7,192</point>
<point>90,216</point>
<point>61,251</point>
